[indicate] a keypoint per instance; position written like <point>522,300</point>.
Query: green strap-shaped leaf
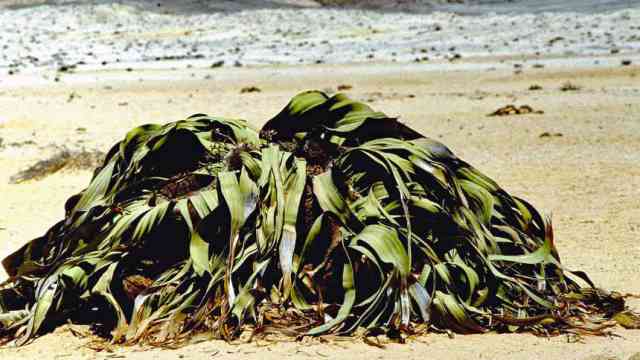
<point>329,197</point>
<point>543,255</point>
<point>41,310</point>
<point>293,195</point>
<point>386,245</point>
<point>484,201</point>
<point>199,254</point>
<point>123,222</point>
<point>183,208</point>
<point>204,202</point>
<point>97,190</point>
<point>150,220</point>
<point>348,286</point>
<point>234,199</point>
<point>454,314</point>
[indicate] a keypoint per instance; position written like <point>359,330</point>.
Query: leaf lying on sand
<point>332,218</point>
<point>627,319</point>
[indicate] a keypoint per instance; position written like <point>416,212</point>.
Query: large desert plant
<point>332,218</point>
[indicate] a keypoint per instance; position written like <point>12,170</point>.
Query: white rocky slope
<point>63,33</point>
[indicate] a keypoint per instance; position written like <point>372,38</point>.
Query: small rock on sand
<point>547,134</point>
<point>250,89</point>
<point>569,86</point>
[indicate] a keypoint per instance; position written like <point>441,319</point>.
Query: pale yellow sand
<point>589,178</point>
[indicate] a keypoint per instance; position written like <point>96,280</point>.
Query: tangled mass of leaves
<point>331,218</point>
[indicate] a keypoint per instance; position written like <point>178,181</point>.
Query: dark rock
<point>250,89</point>
<point>569,86</point>
<point>547,134</point>
<point>67,68</point>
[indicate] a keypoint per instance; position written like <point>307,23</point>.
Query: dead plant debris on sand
<point>63,158</point>
<point>515,110</point>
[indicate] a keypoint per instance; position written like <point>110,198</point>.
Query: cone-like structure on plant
<point>331,218</point>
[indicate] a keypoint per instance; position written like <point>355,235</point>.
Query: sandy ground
<point>589,177</point>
